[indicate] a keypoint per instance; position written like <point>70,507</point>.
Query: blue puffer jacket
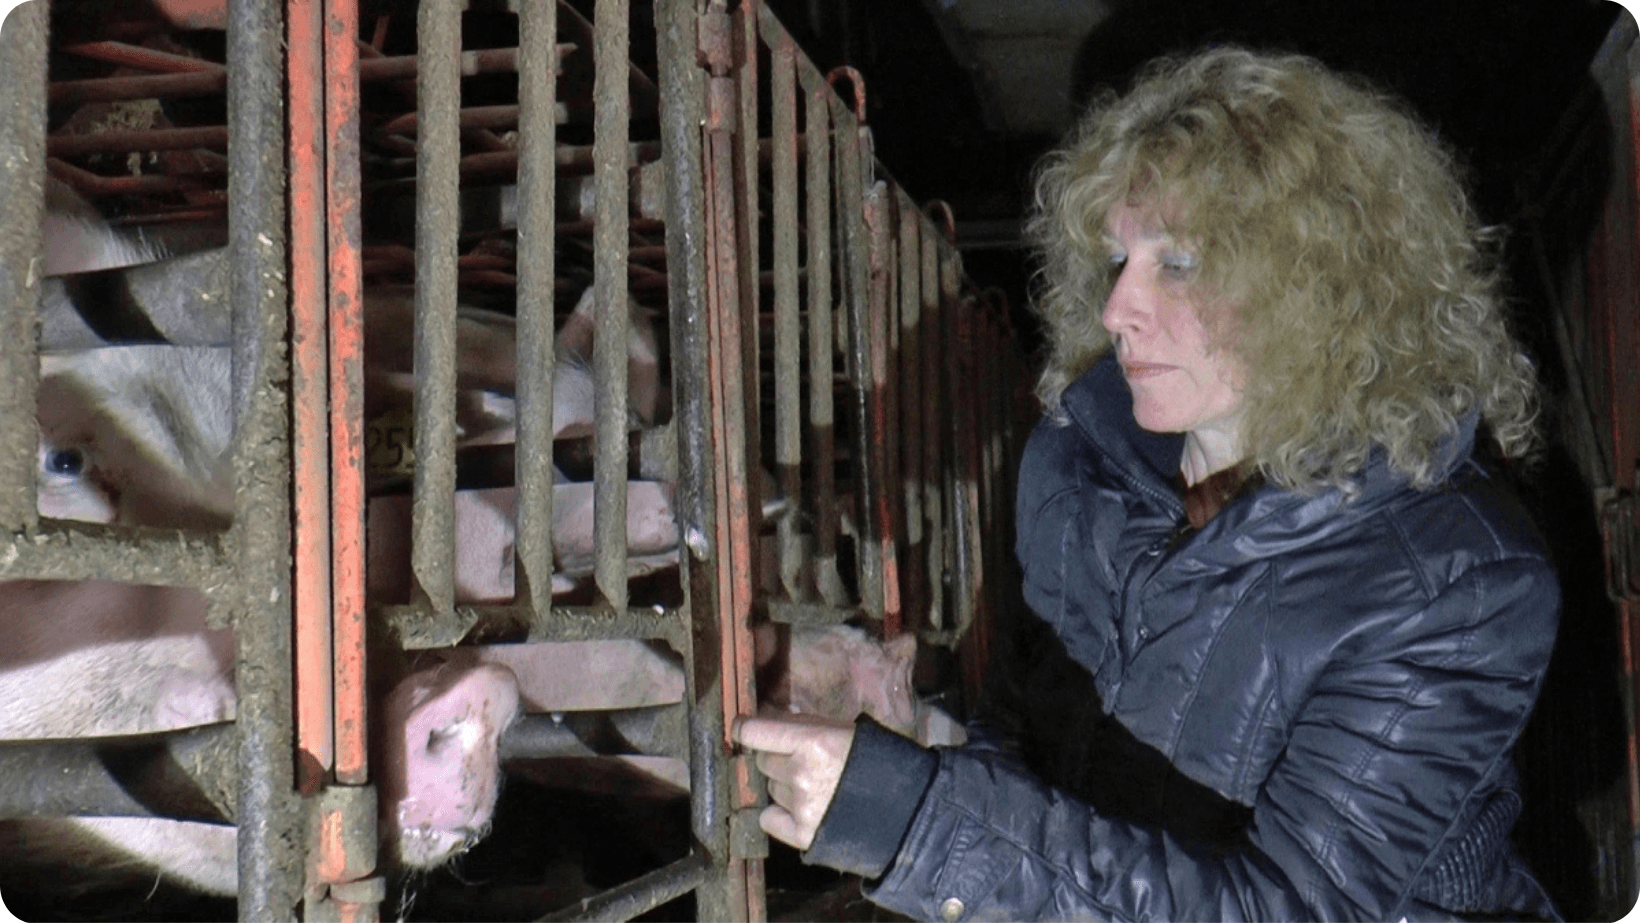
<point>1351,676</point>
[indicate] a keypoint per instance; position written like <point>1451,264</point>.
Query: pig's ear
<point>902,647</point>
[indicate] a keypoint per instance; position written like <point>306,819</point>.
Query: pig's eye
<point>66,463</point>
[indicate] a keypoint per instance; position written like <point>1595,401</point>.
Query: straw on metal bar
<point>787,359</point>
<point>612,96</point>
<point>267,810</point>
<point>537,204</point>
<point>438,94</point>
<point>22,151</point>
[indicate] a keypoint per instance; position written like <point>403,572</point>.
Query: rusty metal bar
<point>822,427</point>
<point>537,204</point>
<point>935,406</point>
<point>22,152</point>
<point>438,94</point>
<point>613,105</point>
<point>310,397</point>
<point>418,626</point>
<point>190,774</point>
<point>681,41</point>
<point>880,443</point>
<point>856,277</point>
<point>346,289</point>
<point>959,557</point>
<point>259,605</point>
<point>153,139</point>
<point>209,78</point>
<point>643,894</point>
<point>917,593</point>
<point>788,451</point>
<point>137,56</point>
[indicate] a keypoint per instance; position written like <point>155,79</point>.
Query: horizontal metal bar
<point>418,627</point>
<point>659,731</point>
<point>647,892</point>
<point>72,551</point>
<point>190,775</point>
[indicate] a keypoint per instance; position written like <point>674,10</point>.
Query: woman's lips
<point>1136,371</point>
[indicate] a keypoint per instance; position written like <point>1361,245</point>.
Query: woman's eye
<point>1178,266</point>
<point>67,463</point>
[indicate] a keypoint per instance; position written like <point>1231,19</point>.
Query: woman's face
<point>1178,384</point>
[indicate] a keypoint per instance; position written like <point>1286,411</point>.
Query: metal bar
<point>660,731</point>
<point>956,483</point>
<point>310,397</point>
<point>933,438</point>
<point>64,550</point>
<point>646,893</point>
<point>190,774</point>
<point>746,874</point>
<point>22,152</point>
<point>917,592</point>
<point>822,427</point>
<point>146,58</point>
<point>856,278</point>
<point>613,106</point>
<point>346,287</point>
<point>153,139</point>
<point>683,112</point>
<point>267,810</point>
<point>882,411</point>
<point>787,345</point>
<point>438,39</point>
<point>419,626</point>
<point>537,204</point>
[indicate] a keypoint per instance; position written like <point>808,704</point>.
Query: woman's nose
<point>1124,306</point>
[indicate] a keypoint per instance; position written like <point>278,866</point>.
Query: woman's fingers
<point>803,761</point>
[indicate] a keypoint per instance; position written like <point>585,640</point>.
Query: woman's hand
<point>803,758</point>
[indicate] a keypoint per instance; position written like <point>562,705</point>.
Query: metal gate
<point>844,401</point>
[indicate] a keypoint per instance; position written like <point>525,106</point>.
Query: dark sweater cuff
<point>881,788</point>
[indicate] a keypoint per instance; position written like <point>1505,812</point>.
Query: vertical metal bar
<point>871,345</point>
<point>267,812</point>
<point>910,423</point>
<point>822,427</point>
<point>932,432</point>
<point>22,179</point>
<point>309,381</point>
<point>438,151</point>
<point>612,106</point>
<point>788,448</point>
<point>957,478</point>
<point>748,218</point>
<point>537,192</point>
<point>856,278</point>
<point>346,386</point>
<point>683,88</point>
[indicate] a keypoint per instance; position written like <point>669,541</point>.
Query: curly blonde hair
<point>1366,295</point>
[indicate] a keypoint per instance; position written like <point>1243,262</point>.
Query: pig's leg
<point>440,770</point>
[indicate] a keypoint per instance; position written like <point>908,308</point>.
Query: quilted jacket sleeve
<point>1388,756</point>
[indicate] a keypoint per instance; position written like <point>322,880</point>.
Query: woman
<point>1256,521</point>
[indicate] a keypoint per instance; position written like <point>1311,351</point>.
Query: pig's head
<point>441,766</point>
<point>135,435</point>
<point>841,672</point>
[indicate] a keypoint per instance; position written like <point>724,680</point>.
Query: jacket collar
<point>1100,404</point>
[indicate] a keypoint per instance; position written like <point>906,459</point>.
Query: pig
<point>841,672</point>
<point>139,435</point>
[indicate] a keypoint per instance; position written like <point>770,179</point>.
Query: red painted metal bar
<point>315,719</point>
<point>343,234</point>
